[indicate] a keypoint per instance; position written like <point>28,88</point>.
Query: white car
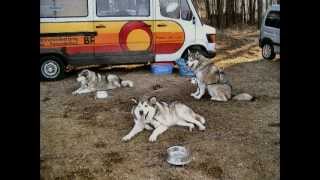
<point>269,39</point>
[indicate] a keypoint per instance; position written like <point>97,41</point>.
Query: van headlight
<point>211,38</point>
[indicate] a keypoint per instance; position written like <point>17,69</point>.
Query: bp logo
<point>136,36</point>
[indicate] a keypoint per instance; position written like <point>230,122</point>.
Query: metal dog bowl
<point>101,94</point>
<point>178,155</point>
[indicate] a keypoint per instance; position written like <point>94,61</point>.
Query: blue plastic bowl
<point>184,70</point>
<point>161,68</point>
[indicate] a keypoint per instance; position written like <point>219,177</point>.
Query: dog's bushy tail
<point>126,83</point>
<point>243,97</point>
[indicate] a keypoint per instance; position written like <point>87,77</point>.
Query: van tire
<point>268,51</point>
<point>51,68</point>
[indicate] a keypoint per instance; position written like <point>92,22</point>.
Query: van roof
<point>275,7</point>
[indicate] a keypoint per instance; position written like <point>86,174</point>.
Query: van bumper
<point>211,54</point>
<point>211,50</point>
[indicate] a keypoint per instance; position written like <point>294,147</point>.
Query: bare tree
<point>260,4</point>
<point>227,13</point>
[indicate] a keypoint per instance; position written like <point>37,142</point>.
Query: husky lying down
<point>91,82</point>
<point>211,78</point>
<point>159,116</point>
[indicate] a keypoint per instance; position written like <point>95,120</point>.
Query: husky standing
<point>210,77</point>
<point>159,116</point>
<point>91,81</point>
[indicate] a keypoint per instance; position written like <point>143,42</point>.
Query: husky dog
<point>158,116</point>
<point>212,78</point>
<point>91,81</point>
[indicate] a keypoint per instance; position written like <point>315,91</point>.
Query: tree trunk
<point>243,11</point>
<point>235,8</point>
<point>220,7</point>
<point>208,13</point>
<point>267,5</point>
<point>252,12</point>
<point>260,3</point>
<point>227,14</point>
<point>218,13</point>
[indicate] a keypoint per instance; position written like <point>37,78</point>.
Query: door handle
<point>161,25</point>
<point>100,26</point>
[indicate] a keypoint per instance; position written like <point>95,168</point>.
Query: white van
<point>113,32</point>
<point>270,33</point>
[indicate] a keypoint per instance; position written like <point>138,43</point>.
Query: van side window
<point>186,13</point>
<point>123,8</point>
<point>63,8</point>
<point>170,8</point>
<point>273,19</point>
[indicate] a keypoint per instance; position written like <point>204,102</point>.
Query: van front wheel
<point>268,51</point>
<point>51,68</point>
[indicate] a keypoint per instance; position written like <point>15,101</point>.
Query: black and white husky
<point>211,78</point>
<point>158,116</point>
<point>91,81</point>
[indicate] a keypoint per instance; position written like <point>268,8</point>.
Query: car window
<point>170,8</point>
<point>63,8</point>
<point>186,13</point>
<point>123,8</point>
<point>273,19</point>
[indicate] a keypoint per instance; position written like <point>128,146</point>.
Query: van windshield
<point>196,7</point>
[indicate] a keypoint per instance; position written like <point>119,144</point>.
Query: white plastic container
<point>101,94</point>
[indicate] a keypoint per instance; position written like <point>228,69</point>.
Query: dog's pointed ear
<point>189,52</point>
<point>153,100</point>
<point>197,54</point>
<point>85,73</point>
<point>134,100</point>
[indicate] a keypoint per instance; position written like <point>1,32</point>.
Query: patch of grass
<point>274,124</point>
<point>83,173</point>
<point>110,159</point>
<point>46,99</point>
<point>210,168</point>
<point>100,144</point>
<point>156,87</point>
<point>169,175</point>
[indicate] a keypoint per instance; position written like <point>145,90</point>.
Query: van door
<point>272,27</point>
<point>175,28</point>
<point>124,31</point>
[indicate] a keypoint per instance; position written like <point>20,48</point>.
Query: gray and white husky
<point>158,116</point>
<point>210,77</point>
<point>91,81</point>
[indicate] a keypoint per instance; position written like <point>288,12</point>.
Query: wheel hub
<point>50,69</point>
<point>267,50</point>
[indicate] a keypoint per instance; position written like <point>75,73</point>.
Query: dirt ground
<point>80,136</point>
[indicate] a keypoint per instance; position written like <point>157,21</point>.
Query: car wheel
<point>51,68</point>
<point>268,51</point>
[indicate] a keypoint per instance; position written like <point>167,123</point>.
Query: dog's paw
<point>197,97</point>
<point>191,127</point>
<point>126,138</point>
<point>202,128</point>
<point>74,93</point>
<point>152,138</point>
